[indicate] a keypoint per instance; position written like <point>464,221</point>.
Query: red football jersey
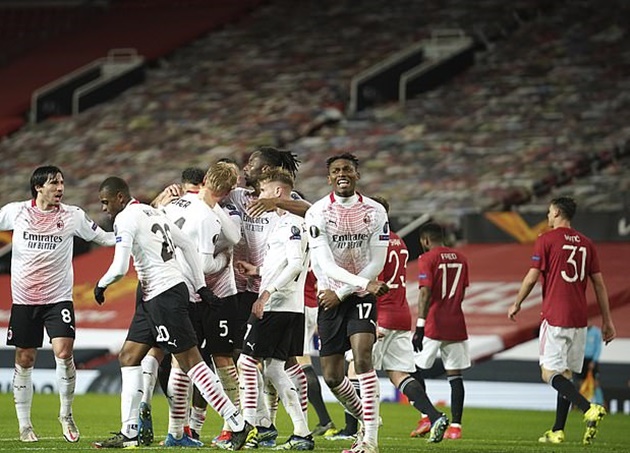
<point>310,289</point>
<point>393,309</point>
<point>445,272</point>
<point>565,259</point>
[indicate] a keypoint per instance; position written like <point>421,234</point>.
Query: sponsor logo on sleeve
<point>313,231</point>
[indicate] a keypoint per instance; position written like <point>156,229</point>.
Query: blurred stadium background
<point>473,114</point>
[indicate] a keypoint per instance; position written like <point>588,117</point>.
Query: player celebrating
<point>202,220</point>
<point>565,258</point>
<point>275,330</point>
<point>162,318</point>
<point>348,236</point>
<point>258,220</point>
<point>155,361</point>
<point>41,287</point>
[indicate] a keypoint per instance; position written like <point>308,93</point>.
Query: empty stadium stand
<point>74,36</point>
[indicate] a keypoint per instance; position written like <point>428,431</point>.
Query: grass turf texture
<point>484,430</point>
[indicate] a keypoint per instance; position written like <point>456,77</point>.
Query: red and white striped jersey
<point>255,230</point>
<point>41,262</point>
<point>350,230</point>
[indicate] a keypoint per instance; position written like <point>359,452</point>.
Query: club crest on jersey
<point>313,231</point>
<point>215,239</point>
<point>59,224</point>
<point>295,233</point>
<point>9,334</point>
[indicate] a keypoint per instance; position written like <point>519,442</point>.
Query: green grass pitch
<point>484,430</point>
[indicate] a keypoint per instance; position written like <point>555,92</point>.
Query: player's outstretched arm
<point>262,205</point>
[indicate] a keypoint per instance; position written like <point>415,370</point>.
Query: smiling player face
<point>343,177</point>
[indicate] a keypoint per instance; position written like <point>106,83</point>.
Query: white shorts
<point>310,326</point>
<point>455,354</point>
<point>561,348</point>
<point>393,351</point>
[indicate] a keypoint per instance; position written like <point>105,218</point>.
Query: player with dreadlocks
<point>258,220</point>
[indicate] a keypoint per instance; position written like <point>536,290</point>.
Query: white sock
<point>263,413</point>
<point>298,377</point>
<point>66,382</point>
<point>23,394</point>
<point>274,369</point>
<point>130,396</point>
<point>150,367</point>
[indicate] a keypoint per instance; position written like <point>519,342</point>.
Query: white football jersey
<point>223,283</point>
<point>349,231</point>
<point>202,226</point>
<point>150,234</point>
<point>285,264</point>
<point>41,262</point>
